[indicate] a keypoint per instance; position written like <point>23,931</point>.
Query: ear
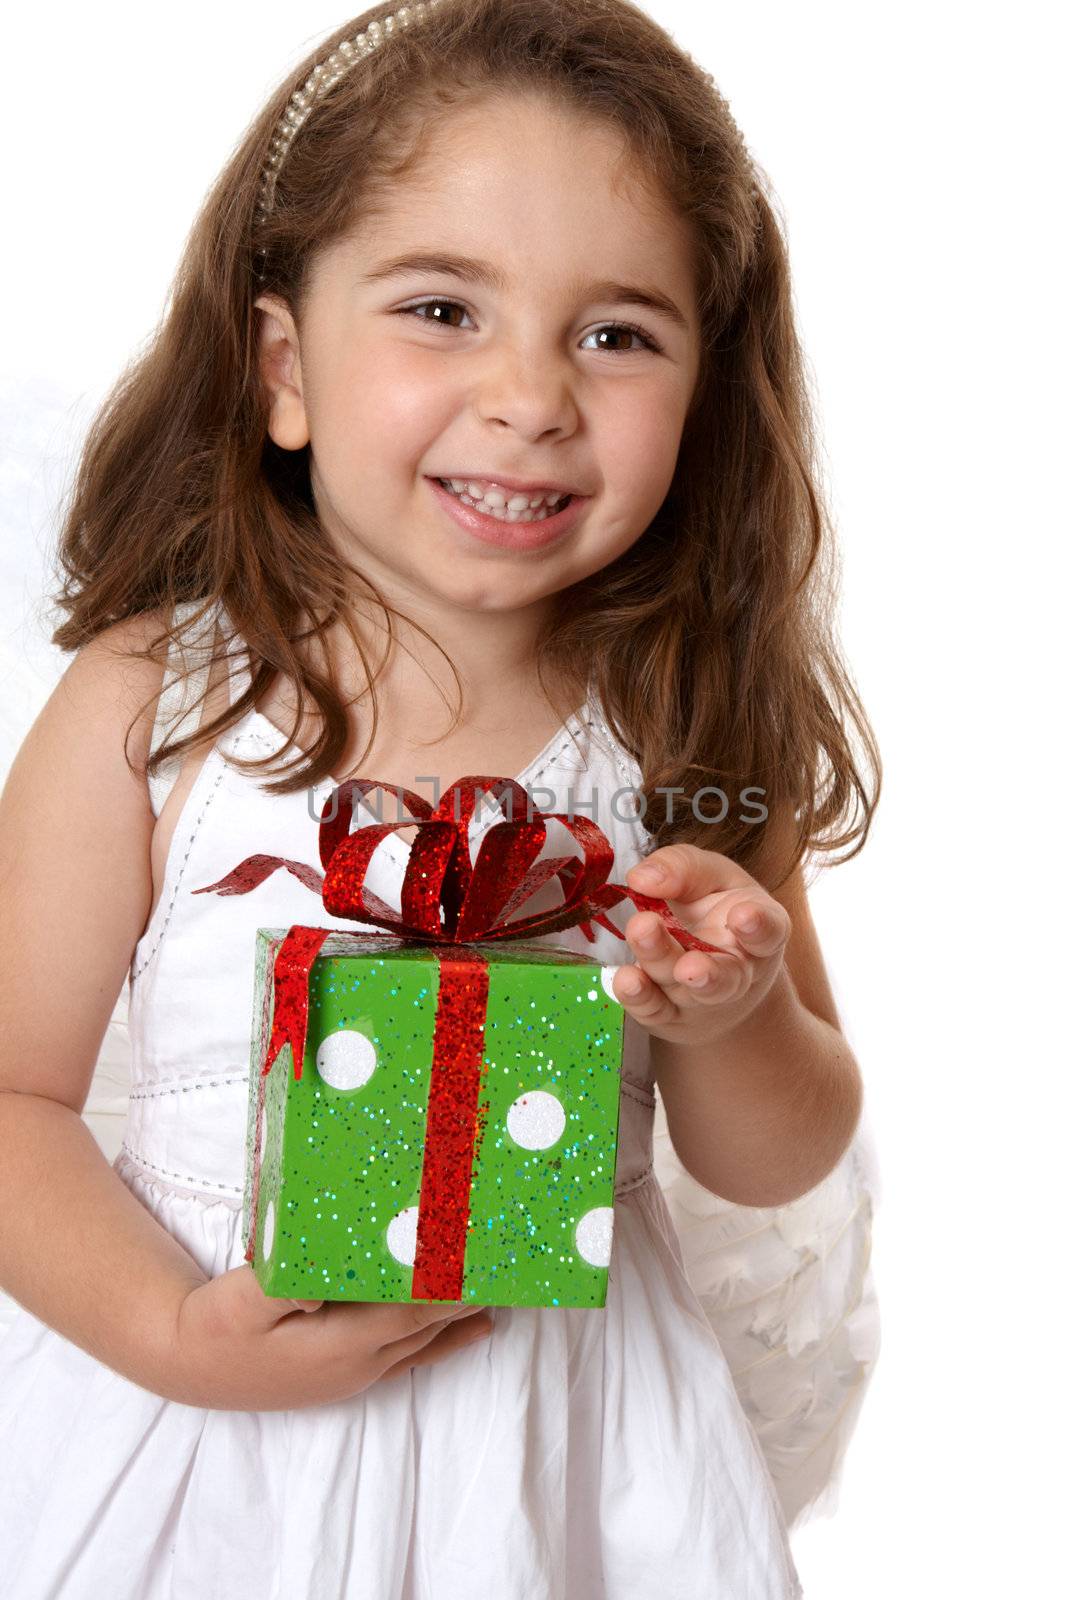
<point>278,355</point>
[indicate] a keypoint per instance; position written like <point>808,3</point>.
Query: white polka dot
<point>536,1120</point>
<point>268,1232</point>
<point>593,1235</point>
<point>346,1059</point>
<point>400,1236</point>
<point>607,980</point>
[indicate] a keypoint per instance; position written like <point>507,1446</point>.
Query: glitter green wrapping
<point>338,1165</point>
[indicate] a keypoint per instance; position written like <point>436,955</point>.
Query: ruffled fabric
<point>788,1291</point>
<point>790,1294</point>
<point>322,1501</point>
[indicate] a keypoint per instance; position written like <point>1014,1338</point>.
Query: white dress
<point>575,1454</point>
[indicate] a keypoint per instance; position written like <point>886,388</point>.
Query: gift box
<point>452,1133</point>
<point>434,1112</point>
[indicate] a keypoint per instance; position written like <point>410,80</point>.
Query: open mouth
<point>538,507</point>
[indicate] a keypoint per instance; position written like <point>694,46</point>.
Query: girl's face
<point>499,357</point>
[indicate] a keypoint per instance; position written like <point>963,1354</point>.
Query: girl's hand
<point>239,1350</point>
<point>685,996</point>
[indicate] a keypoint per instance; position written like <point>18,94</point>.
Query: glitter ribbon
<point>449,903</point>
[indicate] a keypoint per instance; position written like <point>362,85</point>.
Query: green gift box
<point>452,1134</point>
<point>434,1114</point>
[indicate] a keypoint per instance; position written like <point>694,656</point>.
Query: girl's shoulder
<point>131,653</point>
<point>109,691</point>
<point>129,680</point>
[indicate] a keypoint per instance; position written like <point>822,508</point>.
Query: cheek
<point>381,405</point>
<point>410,394</point>
<point>407,397</point>
<point>639,449</point>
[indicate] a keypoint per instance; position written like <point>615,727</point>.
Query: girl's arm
<point>76,1247</point>
<point>75,889</point>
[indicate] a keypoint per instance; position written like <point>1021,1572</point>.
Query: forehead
<point>534,183</point>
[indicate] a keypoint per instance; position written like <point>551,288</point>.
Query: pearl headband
<point>335,67</point>
<point>322,79</point>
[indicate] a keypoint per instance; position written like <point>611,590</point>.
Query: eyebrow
<point>435,263</point>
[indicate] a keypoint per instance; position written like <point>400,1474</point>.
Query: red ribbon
<point>447,902</point>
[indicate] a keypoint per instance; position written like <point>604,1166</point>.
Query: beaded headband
<point>321,80</point>
<point>335,67</point>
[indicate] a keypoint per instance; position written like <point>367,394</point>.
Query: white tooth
<point>493,497</point>
<point>535,501</point>
<point>467,501</point>
<point>502,514</point>
<point>555,496</point>
<point>519,502</point>
<point>475,491</point>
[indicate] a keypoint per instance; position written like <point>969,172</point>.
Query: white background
<point>918,166</point>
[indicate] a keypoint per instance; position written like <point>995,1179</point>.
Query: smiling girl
<point>479,369</point>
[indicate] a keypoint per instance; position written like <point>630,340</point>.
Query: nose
<point>529,392</point>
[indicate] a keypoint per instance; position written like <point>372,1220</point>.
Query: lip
<point>510,535</point>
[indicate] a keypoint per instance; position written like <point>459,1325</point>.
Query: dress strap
<point>181,695</point>
<point>240,674</point>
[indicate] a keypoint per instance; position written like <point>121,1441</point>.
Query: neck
<point>493,654</point>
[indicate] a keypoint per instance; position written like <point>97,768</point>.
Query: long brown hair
<point>710,642</point>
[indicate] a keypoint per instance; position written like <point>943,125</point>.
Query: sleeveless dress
<point>575,1454</point>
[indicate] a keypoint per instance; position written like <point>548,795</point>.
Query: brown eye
<point>629,332</point>
<point>435,306</point>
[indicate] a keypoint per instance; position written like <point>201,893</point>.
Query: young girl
<point>480,369</point>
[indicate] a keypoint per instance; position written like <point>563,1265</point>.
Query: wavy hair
<point>710,641</point>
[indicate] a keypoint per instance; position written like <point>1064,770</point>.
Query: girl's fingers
<point>759,926</point>
<point>382,1325</point>
<point>250,1307</point>
<point>643,999</point>
<point>663,960</point>
<point>709,980</point>
<point>686,872</point>
<point>367,1332</point>
<point>713,979</point>
<point>657,950</point>
<point>391,1323</point>
<point>442,1341</point>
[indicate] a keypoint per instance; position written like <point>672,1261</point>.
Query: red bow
<point>446,899</point>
